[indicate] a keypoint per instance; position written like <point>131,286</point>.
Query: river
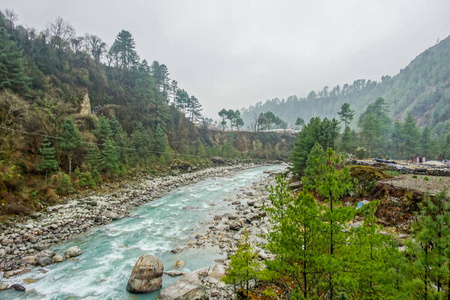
<point>110,251</point>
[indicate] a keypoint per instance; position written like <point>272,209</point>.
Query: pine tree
<point>110,158</point>
<point>346,114</point>
<point>70,140</point>
<point>12,67</point>
<point>429,250</point>
<point>296,239</point>
<point>93,161</point>
<point>159,141</point>
<point>48,158</point>
<point>244,265</point>
<point>332,181</point>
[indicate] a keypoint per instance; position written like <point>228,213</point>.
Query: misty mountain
<point>422,89</point>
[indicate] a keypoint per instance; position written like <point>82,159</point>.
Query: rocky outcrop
<point>147,275</point>
<point>189,287</point>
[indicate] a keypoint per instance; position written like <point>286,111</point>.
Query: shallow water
<point>110,251</point>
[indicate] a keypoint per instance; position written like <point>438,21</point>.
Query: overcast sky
<point>234,53</point>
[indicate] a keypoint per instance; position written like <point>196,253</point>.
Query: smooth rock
<point>44,258</point>
<point>188,287</point>
<point>58,258</point>
<point>18,287</point>
<point>3,286</point>
<point>236,225</point>
<point>73,252</point>
<point>147,275</point>
<point>112,215</point>
<point>175,273</point>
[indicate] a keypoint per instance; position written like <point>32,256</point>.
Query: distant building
<point>418,159</point>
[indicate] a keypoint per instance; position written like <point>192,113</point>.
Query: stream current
<point>110,251</point>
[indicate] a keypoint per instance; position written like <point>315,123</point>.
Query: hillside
<point>422,89</point>
<point>75,112</point>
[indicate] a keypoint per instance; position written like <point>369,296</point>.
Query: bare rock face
<point>146,276</point>
<point>189,287</point>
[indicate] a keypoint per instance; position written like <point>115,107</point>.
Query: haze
<point>231,54</point>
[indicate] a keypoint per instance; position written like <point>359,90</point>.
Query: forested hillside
<point>422,89</point>
<point>75,112</point>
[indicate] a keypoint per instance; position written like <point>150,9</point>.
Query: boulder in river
<point>188,287</point>
<point>18,287</point>
<point>73,252</point>
<point>146,276</point>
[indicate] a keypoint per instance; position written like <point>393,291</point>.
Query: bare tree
<point>11,16</point>
<point>60,32</point>
<point>95,46</point>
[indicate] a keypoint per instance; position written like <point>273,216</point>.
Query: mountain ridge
<point>422,88</point>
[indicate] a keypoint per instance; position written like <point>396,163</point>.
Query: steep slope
<point>422,89</point>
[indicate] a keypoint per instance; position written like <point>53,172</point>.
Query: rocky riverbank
<point>21,240</point>
<point>225,231</point>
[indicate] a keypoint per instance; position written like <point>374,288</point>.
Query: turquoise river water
<point>110,251</point>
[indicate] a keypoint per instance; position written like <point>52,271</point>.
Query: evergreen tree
<point>110,158</point>
<point>346,114</point>
<point>159,141</point>
<point>429,250</point>
<point>299,122</point>
<point>296,240</point>
<point>332,182</point>
<point>48,162</point>
<point>348,141</point>
<point>123,50</point>
<point>12,67</point>
<point>426,142</point>
<point>103,131</point>
<point>223,115</point>
<point>93,161</point>
<point>70,140</point>
<point>244,265</point>
<point>411,136</point>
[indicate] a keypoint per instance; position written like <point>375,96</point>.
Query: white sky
<point>234,53</point>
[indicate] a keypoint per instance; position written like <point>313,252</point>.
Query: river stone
<point>188,287</point>
<point>18,287</point>
<point>112,215</point>
<point>44,258</point>
<point>147,275</point>
<point>236,225</point>
<point>58,258</point>
<point>174,273</point>
<point>3,286</point>
<point>180,263</point>
<point>73,252</point>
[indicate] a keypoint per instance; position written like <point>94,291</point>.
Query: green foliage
<point>296,238</point>
<point>244,265</point>
<point>346,114</point>
<point>159,141</point>
<point>65,186</point>
<point>70,140</point>
<point>110,158</point>
<point>48,160</point>
<point>324,132</point>
<point>12,67</point>
<point>428,252</point>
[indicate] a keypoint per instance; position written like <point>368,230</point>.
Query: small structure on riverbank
<point>418,159</point>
